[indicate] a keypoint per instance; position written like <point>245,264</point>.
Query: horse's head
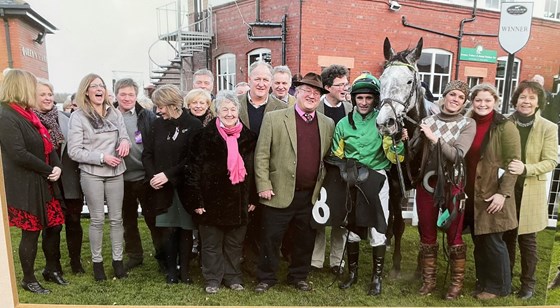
<point>400,87</point>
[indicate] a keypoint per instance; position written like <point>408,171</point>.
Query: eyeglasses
<point>95,86</point>
<point>310,91</point>
<point>338,85</point>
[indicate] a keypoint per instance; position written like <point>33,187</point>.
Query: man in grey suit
<point>289,172</point>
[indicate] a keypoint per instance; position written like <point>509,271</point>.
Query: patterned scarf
<point>235,164</point>
<point>50,121</point>
<point>31,117</point>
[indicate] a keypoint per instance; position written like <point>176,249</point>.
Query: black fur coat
<point>207,183</point>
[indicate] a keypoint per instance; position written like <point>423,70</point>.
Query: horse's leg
<point>397,224</point>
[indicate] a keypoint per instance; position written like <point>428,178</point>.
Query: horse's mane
<point>400,56</point>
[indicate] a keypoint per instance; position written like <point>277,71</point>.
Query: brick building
<point>317,33</point>
<point>22,36</point>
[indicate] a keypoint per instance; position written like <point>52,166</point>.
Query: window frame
<point>228,78</point>
<point>431,75</point>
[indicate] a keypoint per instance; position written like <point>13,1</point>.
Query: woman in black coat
<point>220,192</point>
<point>164,158</point>
<point>31,166</point>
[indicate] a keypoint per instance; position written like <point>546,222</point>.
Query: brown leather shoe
<point>486,296</point>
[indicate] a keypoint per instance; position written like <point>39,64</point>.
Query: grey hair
<point>44,82</point>
<point>204,72</point>
<point>259,63</point>
<point>282,69</point>
<point>226,95</point>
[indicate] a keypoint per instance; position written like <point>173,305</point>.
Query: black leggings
<point>28,251</point>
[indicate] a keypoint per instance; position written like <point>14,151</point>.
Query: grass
<point>146,286</point>
<point>553,296</point>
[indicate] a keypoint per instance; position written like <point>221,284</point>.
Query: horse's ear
<point>388,51</point>
<point>418,49</point>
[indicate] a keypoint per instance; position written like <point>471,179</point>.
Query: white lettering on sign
<point>28,52</point>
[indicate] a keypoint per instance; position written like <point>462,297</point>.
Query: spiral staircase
<point>184,34</point>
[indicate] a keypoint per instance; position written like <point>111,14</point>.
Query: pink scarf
<point>235,164</point>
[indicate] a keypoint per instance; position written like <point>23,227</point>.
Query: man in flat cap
<point>289,172</point>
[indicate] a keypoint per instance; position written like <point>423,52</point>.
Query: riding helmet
<point>365,83</point>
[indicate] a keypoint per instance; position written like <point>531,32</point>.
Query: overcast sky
<point>107,37</point>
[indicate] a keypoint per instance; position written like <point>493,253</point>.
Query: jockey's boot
<point>458,259</point>
<point>353,253</point>
<point>376,277</point>
<point>428,253</point>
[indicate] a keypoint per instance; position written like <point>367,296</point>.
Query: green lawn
<point>553,296</point>
<point>145,286</point>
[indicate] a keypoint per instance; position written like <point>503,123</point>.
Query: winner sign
<point>515,25</point>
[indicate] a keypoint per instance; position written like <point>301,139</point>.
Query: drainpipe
<point>258,11</point>
<point>8,41</point>
<point>460,39</point>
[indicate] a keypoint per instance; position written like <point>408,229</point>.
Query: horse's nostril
<point>390,122</point>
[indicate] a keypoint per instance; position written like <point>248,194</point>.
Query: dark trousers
<point>221,254</point>
<point>275,222</point>
<point>492,264</point>
<point>528,252</point>
<point>136,192</point>
<point>427,220</point>
<point>74,232</point>
<point>527,248</point>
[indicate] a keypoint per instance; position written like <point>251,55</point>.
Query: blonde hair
<point>486,87</point>
<point>46,83</point>
<point>19,87</point>
<point>83,101</point>
<point>168,96</point>
<point>196,94</point>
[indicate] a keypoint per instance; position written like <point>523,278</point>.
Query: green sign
<point>478,55</point>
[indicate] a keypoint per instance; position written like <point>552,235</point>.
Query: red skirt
<point>29,222</point>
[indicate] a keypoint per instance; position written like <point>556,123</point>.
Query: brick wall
<point>26,54</point>
<point>356,29</point>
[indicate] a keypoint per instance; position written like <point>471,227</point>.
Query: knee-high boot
<point>428,254</point>
<point>353,255</point>
<point>458,259</point>
<point>378,253</point>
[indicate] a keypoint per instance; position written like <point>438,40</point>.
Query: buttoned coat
<point>276,155</point>
<point>271,105</point>
<point>501,145</point>
<point>541,155</point>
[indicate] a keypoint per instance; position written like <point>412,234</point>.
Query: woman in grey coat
<point>98,141</point>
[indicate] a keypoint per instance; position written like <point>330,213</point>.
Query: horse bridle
<point>406,103</point>
<point>400,118</point>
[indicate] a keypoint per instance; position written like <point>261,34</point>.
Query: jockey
<point>356,138</point>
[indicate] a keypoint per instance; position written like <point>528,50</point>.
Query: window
<point>434,66</point>
<point>261,54</point>
<point>501,76</point>
<point>473,81</point>
<point>552,9</point>
<point>225,66</point>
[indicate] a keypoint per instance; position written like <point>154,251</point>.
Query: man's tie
<point>308,117</point>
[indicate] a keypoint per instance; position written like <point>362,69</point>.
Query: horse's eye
<point>409,82</point>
